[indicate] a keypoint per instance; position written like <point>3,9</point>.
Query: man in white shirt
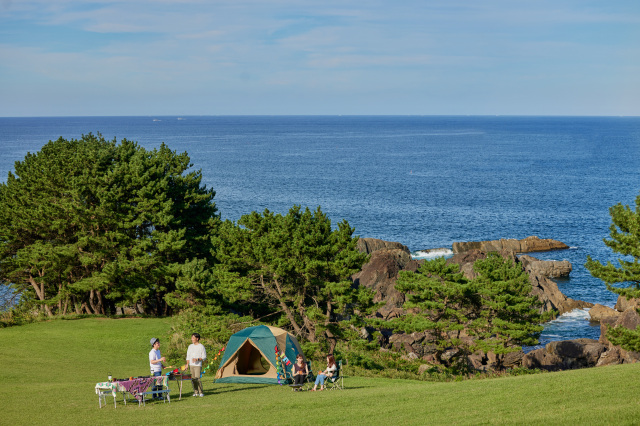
<point>155,363</point>
<point>195,355</point>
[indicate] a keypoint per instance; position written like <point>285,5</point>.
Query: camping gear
<point>250,355</point>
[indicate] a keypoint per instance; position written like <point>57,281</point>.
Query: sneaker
<point>201,395</point>
<point>195,394</point>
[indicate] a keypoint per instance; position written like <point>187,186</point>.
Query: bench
<point>164,393</point>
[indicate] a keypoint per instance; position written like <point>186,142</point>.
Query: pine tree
<point>623,279</point>
<point>300,267</point>
<point>87,224</point>
<point>495,309</point>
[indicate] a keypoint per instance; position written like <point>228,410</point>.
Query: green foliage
<point>215,331</point>
<point>625,338</point>
<point>89,224</point>
<point>299,267</point>
<point>625,240</point>
<point>508,315</point>
<point>495,309</point>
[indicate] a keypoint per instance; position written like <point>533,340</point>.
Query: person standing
<point>155,363</point>
<point>196,353</point>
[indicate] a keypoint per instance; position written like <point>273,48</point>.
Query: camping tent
<point>250,355</point>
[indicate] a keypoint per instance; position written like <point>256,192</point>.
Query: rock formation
<point>369,245</point>
<point>547,268</point>
<point>565,355</point>
<point>600,312</point>
<point>381,272</point>
<point>526,245</point>
<point>545,289</point>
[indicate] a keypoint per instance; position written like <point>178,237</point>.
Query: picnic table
<point>179,378</point>
<point>136,387</point>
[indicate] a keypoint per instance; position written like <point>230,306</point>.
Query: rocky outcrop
<point>565,355</point>
<point>545,289</point>
<point>600,312</point>
<point>551,297</point>
<point>380,274</point>
<point>547,268</point>
<point>526,245</point>
<point>615,354</point>
<point>622,304</point>
<point>369,245</point>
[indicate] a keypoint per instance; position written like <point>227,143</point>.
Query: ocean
<point>424,181</point>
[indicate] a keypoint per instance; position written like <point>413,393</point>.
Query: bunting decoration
<point>211,362</point>
<point>279,368</point>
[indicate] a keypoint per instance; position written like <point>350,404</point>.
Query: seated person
<point>300,371</point>
<point>329,372</point>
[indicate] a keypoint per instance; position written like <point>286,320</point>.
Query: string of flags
<point>175,369</point>
<point>281,361</point>
<point>215,358</point>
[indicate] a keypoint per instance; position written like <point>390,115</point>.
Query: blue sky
<point>193,57</point>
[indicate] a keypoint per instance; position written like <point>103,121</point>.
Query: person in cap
<point>196,353</point>
<point>155,363</point>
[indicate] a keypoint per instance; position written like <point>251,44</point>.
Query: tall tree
<point>623,279</point>
<point>495,309</point>
<point>300,267</point>
<point>91,223</point>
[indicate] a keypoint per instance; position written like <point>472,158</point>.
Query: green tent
<point>250,355</point>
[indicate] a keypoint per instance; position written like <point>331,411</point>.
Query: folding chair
<point>102,397</point>
<point>337,380</point>
<point>309,381</point>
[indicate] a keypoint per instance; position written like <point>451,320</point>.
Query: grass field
<point>49,371</point>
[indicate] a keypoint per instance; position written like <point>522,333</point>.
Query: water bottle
<point>109,377</point>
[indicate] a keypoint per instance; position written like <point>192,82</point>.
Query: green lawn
<point>50,370</point>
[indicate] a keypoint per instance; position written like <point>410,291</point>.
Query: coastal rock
<point>565,355</point>
<point>551,297</point>
<point>370,245</point>
<point>547,268</point>
<point>526,245</point>
<point>622,304</point>
<point>542,287</point>
<point>599,312</point>
<point>615,354</point>
<point>380,274</point>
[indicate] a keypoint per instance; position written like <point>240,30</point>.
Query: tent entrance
<point>250,360</point>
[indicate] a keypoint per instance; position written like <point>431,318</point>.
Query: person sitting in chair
<point>329,372</point>
<point>300,371</point>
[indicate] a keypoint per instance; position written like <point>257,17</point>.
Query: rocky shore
<point>389,258</point>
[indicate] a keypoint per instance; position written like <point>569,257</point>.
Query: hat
<point>154,340</point>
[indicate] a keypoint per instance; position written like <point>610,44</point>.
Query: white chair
<point>102,397</point>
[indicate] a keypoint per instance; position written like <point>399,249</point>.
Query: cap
<point>154,340</point>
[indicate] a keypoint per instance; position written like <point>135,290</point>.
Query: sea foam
<point>432,253</point>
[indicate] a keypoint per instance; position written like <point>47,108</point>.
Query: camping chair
<point>337,380</point>
<point>309,381</point>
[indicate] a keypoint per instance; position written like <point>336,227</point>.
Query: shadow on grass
<point>225,389</point>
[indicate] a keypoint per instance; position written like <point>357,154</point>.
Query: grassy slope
<point>50,369</point>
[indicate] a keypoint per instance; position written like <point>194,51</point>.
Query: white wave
<point>580,314</point>
<point>432,253</point>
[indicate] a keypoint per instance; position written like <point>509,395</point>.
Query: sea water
<point>424,181</point>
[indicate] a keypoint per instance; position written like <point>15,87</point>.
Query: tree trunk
<point>91,301</point>
<point>331,338</point>
<point>285,308</point>
<point>100,303</point>
<point>39,288</point>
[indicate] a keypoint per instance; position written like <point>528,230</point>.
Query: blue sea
<point>425,181</point>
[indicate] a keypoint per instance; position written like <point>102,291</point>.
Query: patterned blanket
<point>135,387</point>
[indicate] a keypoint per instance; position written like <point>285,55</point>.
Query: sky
<point>286,57</point>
